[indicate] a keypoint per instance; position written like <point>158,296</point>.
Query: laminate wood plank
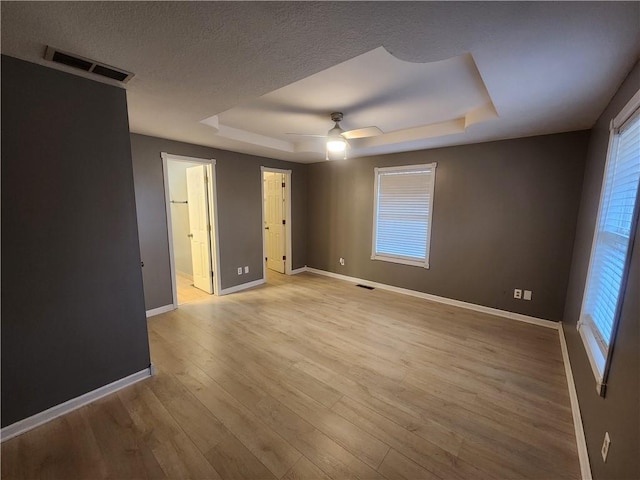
<point>396,466</point>
<point>311,377</point>
<point>428,429</point>
<point>319,448</point>
<point>173,449</point>
<point>483,430</point>
<point>127,455</point>
<point>385,340</point>
<point>202,427</point>
<point>298,431</point>
<point>358,442</point>
<point>271,449</point>
<point>333,459</point>
<point>12,464</point>
<point>275,383</point>
<point>514,399</point>
<point>186,291</point>
<point>514,423</point>
<point>496,357</point>
<point>304,469</point>
<point>321,392</point>
<point>66,449</point>
<point>427,454</point>
<point>483,367</point>
<point>543,442</point>
<point>235,462</point>
<point>512,461</point>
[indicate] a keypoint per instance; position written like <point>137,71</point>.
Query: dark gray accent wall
<point>73,315</point>
<point>619,412</point>
<point>239,213</point>
<point>504,218</point>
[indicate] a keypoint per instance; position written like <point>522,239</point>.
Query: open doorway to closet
<point>191,221</point>
<point>276,219</point>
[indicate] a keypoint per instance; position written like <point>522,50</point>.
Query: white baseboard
<point>242,286</point>
<point>38,419</point>
<point>159,310</point>
<point>583,454</point>
<point>299,270</point>
<point>448,301</point>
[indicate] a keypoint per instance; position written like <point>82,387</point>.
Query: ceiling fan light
<point>336,145</point>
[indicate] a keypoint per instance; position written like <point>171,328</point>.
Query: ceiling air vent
<point>87,65</point>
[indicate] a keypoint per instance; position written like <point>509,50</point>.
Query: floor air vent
<point>365,286</point>
<point>87,65</point>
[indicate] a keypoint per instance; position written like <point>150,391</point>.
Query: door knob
<point>266,228</point>
<point>190,235</point>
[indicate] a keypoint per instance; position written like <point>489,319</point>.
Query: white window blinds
<point>613,233</point>
<point>403,211</point>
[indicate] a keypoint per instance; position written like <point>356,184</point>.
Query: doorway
<point>192,226</point>
<point>276,219</point>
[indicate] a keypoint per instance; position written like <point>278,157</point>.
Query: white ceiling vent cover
<point>87,65</point>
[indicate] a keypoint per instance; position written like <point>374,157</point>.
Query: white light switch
<point>527,294</point>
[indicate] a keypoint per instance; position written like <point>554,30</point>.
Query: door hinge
<point>209,227</point>
<point>284,222</point>
<point>284,257</point>
<point>206,179</point>
<point>211,273</point>
<point>283,184</point>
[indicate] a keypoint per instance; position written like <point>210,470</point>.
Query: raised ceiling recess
<point>407,101</point>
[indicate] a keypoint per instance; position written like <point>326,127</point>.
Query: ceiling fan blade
<point>306,135</point>
<point>362,133</point>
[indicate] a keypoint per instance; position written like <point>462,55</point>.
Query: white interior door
<point>200,228</point>
<point>274,215</point>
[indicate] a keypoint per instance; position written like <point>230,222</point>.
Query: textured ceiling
<point>548,67</point>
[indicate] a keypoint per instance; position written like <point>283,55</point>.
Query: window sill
<point>596,358</point>
<point>403,261</point>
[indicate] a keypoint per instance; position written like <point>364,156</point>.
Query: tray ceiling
<point>409,101</point>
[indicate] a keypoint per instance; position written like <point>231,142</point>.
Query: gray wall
<point>72,304</point>
<point>619,412</point>
<point>239,213</point>
<point>504,218</point>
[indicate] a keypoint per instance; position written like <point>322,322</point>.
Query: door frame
<point>213,208</point>
<point>287,225</point>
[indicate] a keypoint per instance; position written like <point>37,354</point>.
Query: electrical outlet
<point>527,295</point>
<point>246,269</point>
<point>239,270</point>
<point>517,293</point>
<point>605,447</point>
<point>341,261</point>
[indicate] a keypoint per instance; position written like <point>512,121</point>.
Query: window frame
<point>404,260</point>
<point>599,354</point>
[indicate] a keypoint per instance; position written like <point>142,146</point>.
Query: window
<point>402,213</point>
<point>615,227</point>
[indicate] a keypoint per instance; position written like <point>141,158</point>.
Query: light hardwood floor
<point>186,292</point>
<point>310,377</point>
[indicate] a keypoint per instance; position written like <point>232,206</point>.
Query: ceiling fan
<point>337,137</point>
